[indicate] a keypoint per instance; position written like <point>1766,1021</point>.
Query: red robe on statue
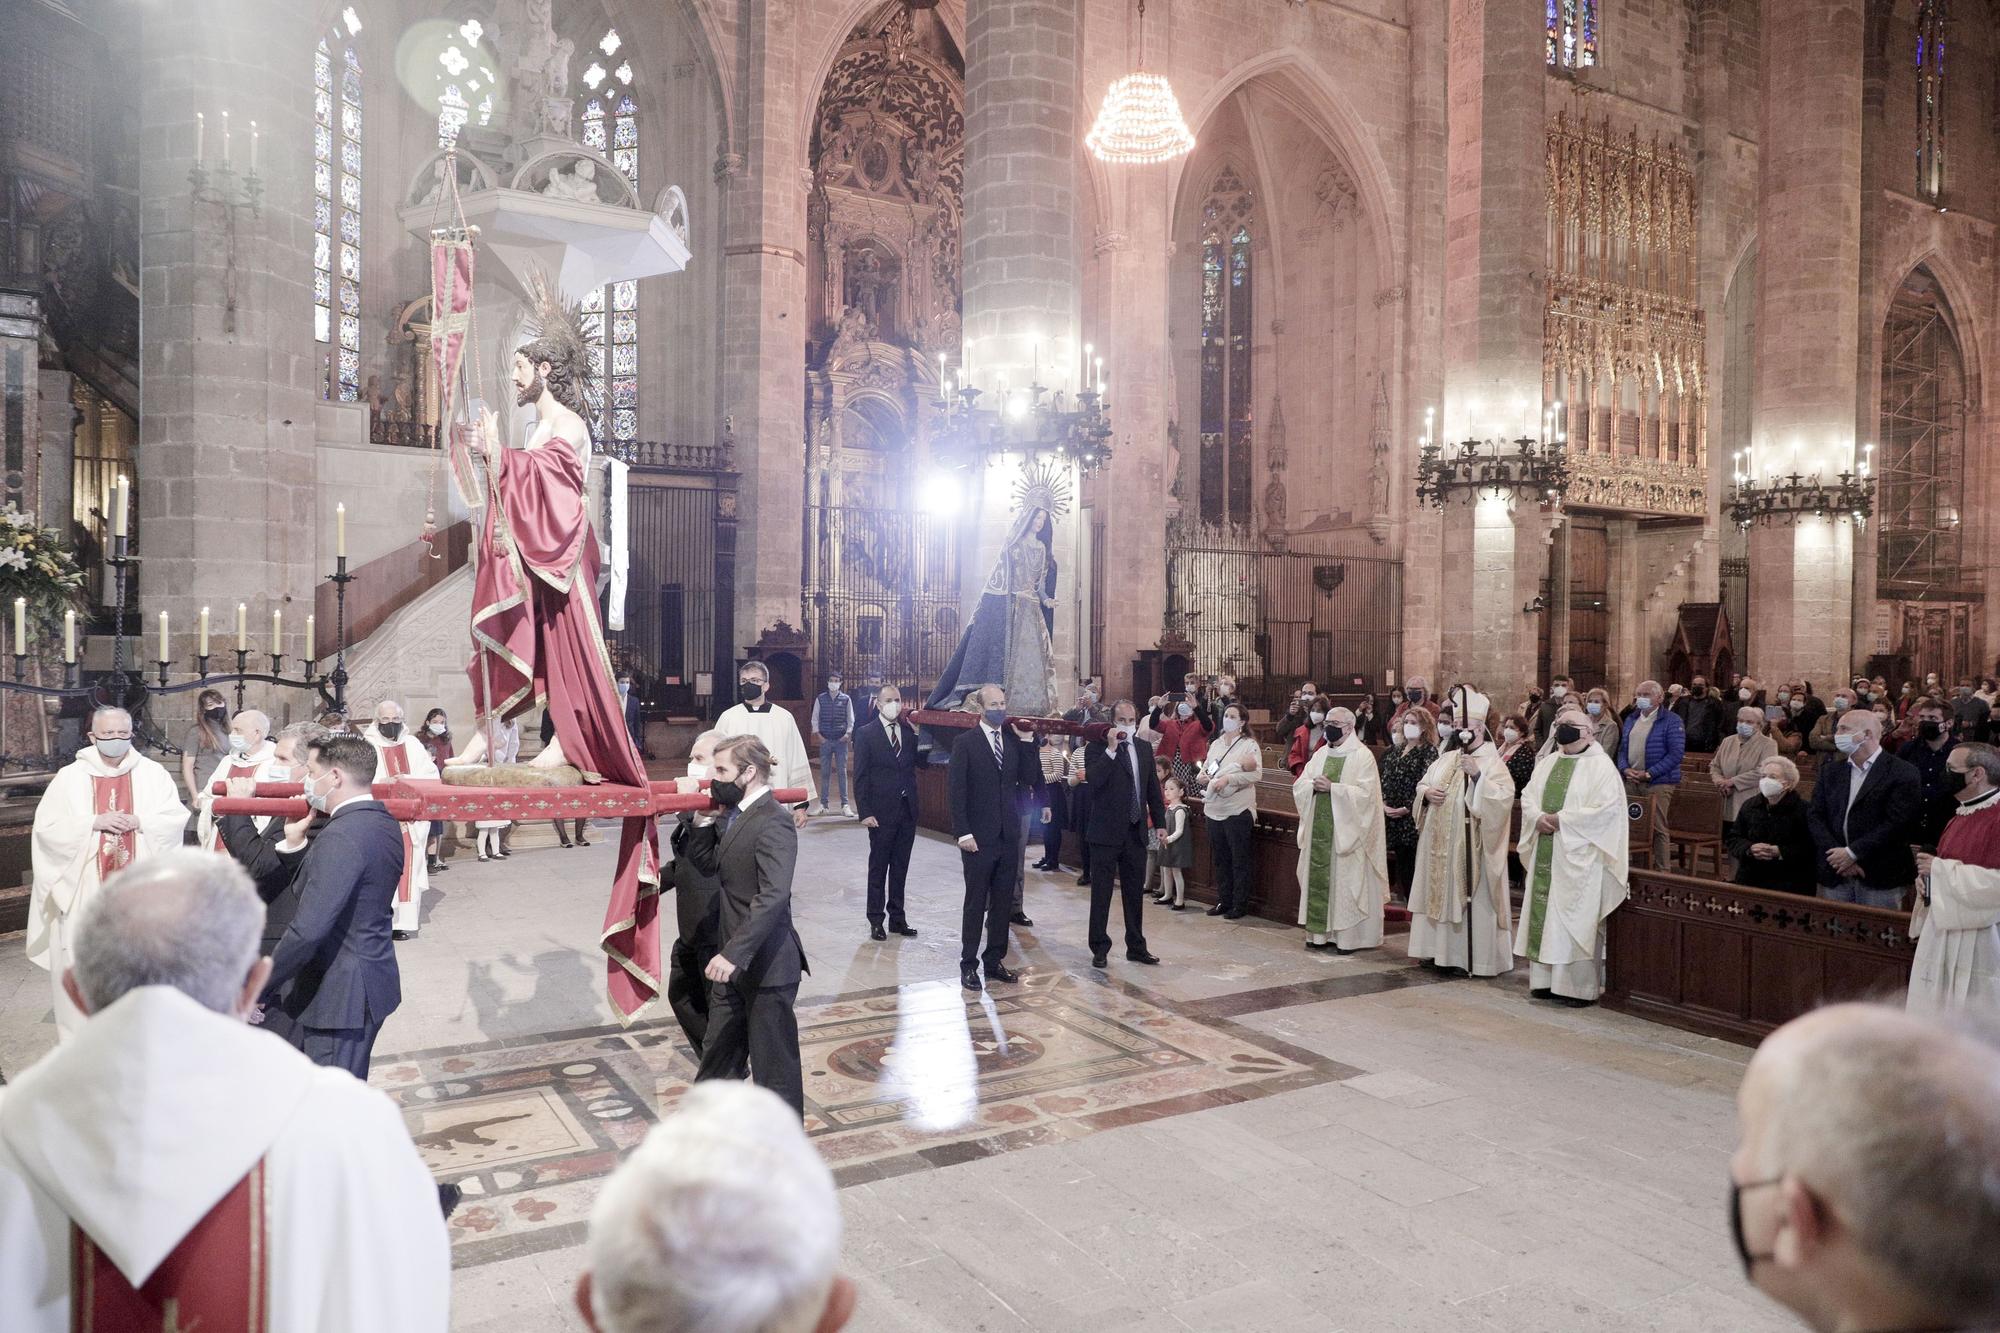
<point>537,643</point>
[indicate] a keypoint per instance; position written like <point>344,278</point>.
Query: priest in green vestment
<point>1343,860</point>
<point>1575,844</point>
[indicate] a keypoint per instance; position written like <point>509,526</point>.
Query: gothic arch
<point>833,37</point>
<point>1959,304</point>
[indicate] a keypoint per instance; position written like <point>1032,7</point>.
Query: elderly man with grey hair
<point>1864,816</point>
<point>171,1146</point>
<point>724,1220</point>
<point>1862,1191</point>
<point>109,808</point>
<point>250,753</point>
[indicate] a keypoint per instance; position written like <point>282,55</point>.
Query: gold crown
<point>1043,484</point>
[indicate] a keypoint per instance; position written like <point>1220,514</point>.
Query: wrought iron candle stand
<point>1080,433</point>
<point>1792,496</point>
<point>1527,467</point>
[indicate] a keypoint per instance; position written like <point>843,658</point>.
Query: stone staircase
<point>417,657</point>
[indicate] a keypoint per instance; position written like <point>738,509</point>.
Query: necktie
<point>1132,767</point>
<point>998,758</point>
<point>896,740</point>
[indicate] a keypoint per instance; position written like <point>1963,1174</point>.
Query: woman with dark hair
<point>436,738</point>
<point>1517,751</point>
<point>1228,778</point>
<point>205,743</point>
<point>1412,750</point>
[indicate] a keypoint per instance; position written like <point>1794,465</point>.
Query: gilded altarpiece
<point>883,223</point>
<point>1624,332</point>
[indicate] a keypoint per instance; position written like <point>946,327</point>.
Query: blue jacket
<point>335,967</point>
<point>1664,747</point>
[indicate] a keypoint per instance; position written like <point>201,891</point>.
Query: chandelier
<point>1795,495</point>
<point>1032,422</point>
<point>1525,467</point>
<point>1140,121</point>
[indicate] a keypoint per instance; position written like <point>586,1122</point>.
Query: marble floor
<point>1250,1136</point>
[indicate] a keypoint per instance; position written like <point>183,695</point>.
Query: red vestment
<point>216,1279</point>
<point>537,642</point>
<point>114,850</point>
<point>1973,839</point>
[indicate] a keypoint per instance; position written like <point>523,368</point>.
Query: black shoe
<point>435,866</point>
<point>1020,919</point>
<point>1234,916</point>
<point>448,1199</point>
<point>1083,879</point>
<point>402,934</point>
<point>1542,993</point>
<point>1317,947</point>
<point>1217,910</point>
<point>1140,956</point>
<point>1337,949</point>
<point>1180,907</point>
<point>1041,865</point>
<point>567,843</point>
<point>905,929</point>
<point>1001,972</point>
<point>1572,1001</point>
<point>581,842</point>
<point>877,933</point>
<point>968,977</point>
<point>1099,960</point>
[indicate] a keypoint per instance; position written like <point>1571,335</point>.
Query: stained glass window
<point>1931,16</point>
<point>1572,35</point>
<point>611,313</point>
<point>337,210</point>
<point>1227,418</point>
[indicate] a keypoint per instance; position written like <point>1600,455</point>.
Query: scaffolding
<point>1922,449</point>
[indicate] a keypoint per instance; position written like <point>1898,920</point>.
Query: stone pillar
<point>1808,308</point>
<point>1021,296</point>
<point>763,317</point>
<point>1495,225</point>
<point>226,434</point>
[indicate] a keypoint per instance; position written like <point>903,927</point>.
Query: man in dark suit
<point>1126,810</point>
<point>885,794</point>
<point>333,974</point>
<point>751,849</point>
<point>256,850</point>
<point>697,899</point>
<point>990,767</point>
<point>1865,813</point>
<point>634,725</point>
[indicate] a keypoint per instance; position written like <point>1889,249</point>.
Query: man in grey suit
<point>754,977</point>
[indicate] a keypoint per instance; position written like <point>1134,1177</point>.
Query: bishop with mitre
<point>1460,907</point>
<point>111,807</point>
<point>1576,846</point>
<point>1958,895</point>
<point>1343,858</point>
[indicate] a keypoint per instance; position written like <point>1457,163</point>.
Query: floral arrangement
<point>37,564</point>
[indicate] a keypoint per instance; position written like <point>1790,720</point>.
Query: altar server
<point>1343,859</point>
<point>400,754</point>
<point>1575,845</point>
<point>109,808</point>
<point>251,753</point>
<point>1958,897</point>
<point>1459,906</point>
<point>170,1167</point>
<point>755,715</point>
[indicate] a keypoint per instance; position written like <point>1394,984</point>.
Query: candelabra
<point>232,195</point>
<point>1524,467</point>
<point>1795,495</point>
<point>1030,421</point>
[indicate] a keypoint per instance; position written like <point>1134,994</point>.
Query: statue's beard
<point>536,386</point>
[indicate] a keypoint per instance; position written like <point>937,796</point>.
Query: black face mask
<point>218,714</point>
<point>726,794</point>
<point>1736,1223</point>
<point>1414,696</point>
<point>749,691</point>
<point>1568,733</point>
<point>1930,731</point>
<point>389,730</point>
<point>1335,735</point>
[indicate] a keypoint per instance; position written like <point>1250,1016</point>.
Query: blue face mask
<point>995,716</point>
<point>1846,742</point>
<point>1594,708</point>
<point>314,797</point>
<point>1746,730</point>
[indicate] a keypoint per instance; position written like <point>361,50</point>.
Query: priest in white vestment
<point>1343,858</point>
<point>755,715</point>
<point>1460,908</point>
<point>110,807</point>
<point>1576,847</point>
<point>251,752</point>
<point>1956,921</point>
<point>400,754</point>
<point>172,1167</point>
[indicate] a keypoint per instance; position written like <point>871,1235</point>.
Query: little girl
<point>1178,854</point>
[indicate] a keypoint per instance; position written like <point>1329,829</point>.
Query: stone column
<point>227,464</point>
<point>763,319</point>
<point>1021,296</point>
<point>1495,223</point>
<point>1808,307</point>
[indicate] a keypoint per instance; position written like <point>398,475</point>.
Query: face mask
<point>726,794</point>
<point>1871,696</point>
<point>314,797</point>
<point>749,691</point>
<point>1593,708</point>
<point>1846,742</point>
<point>994,716</point>
<point>1771,787</point>
<point>1124,728</point>
<point>1184,711</point>
<point>1798,705</point>
<point>893,709</point>
<point>237,745</point>
<point>1414,696</point>
<point>1510,734</point>
<point>1744,695</point>
<point>217,714</point>
<point>114,749</point>
<point>1842,705</point>
<point>697,771</point>
<point>1461,738</point>
<point>278,773</point>
<point>1317,718</point>
<point>1746,730</point>
<point>1413,732</point>
<point>1558,691</point>
<point>833,687</point>
<point>1783,695</point>
<point>389,730</point>
<point>1335,735</point>
<point>1930,731</point>
<point>1568,733</point>
<point>1906,689</point>
<point>437,728</point>
<point>1646,703</point>
<point>1957,783</point>
<point>1700,688</point>
<point>1232,725</point>
<point>1736,1223</point>
<point>1308,696</point>
<point>624,688</point>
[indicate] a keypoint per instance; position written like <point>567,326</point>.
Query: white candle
<point>1084,378</point>
<point>204,631</point>
<point>121,504</point>
<point>200,135</point>
<point>340,530</point>
<point>165,656</point>
<point>69,636</point>
<point>277,632</point>
<point>20,625</point>
<point>225,139</point>
<point>941,392</point>
<point>311,646</point>
<point>253,145</point>
<point>242,627</point>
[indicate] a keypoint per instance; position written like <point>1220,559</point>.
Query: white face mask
<point>438,728</point>
<point>893,709</point>
<point>697,771</point>
<point>1509,734</point>
<point>1745,695</point>
<point>237,745</point>
<point>1412,732</point>
<point>278,773</point>
<point>1317,717</point>
<point>1558,691</point>
<point>1232,725</point>
<point>1771,787</point>
<point>1184,711</point>
<point>1746,729</point>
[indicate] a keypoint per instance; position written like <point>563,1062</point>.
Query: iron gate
<point>883,591</point>
<point>670,607</point>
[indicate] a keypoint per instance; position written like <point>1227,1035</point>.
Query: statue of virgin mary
<point>1009,641</point>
